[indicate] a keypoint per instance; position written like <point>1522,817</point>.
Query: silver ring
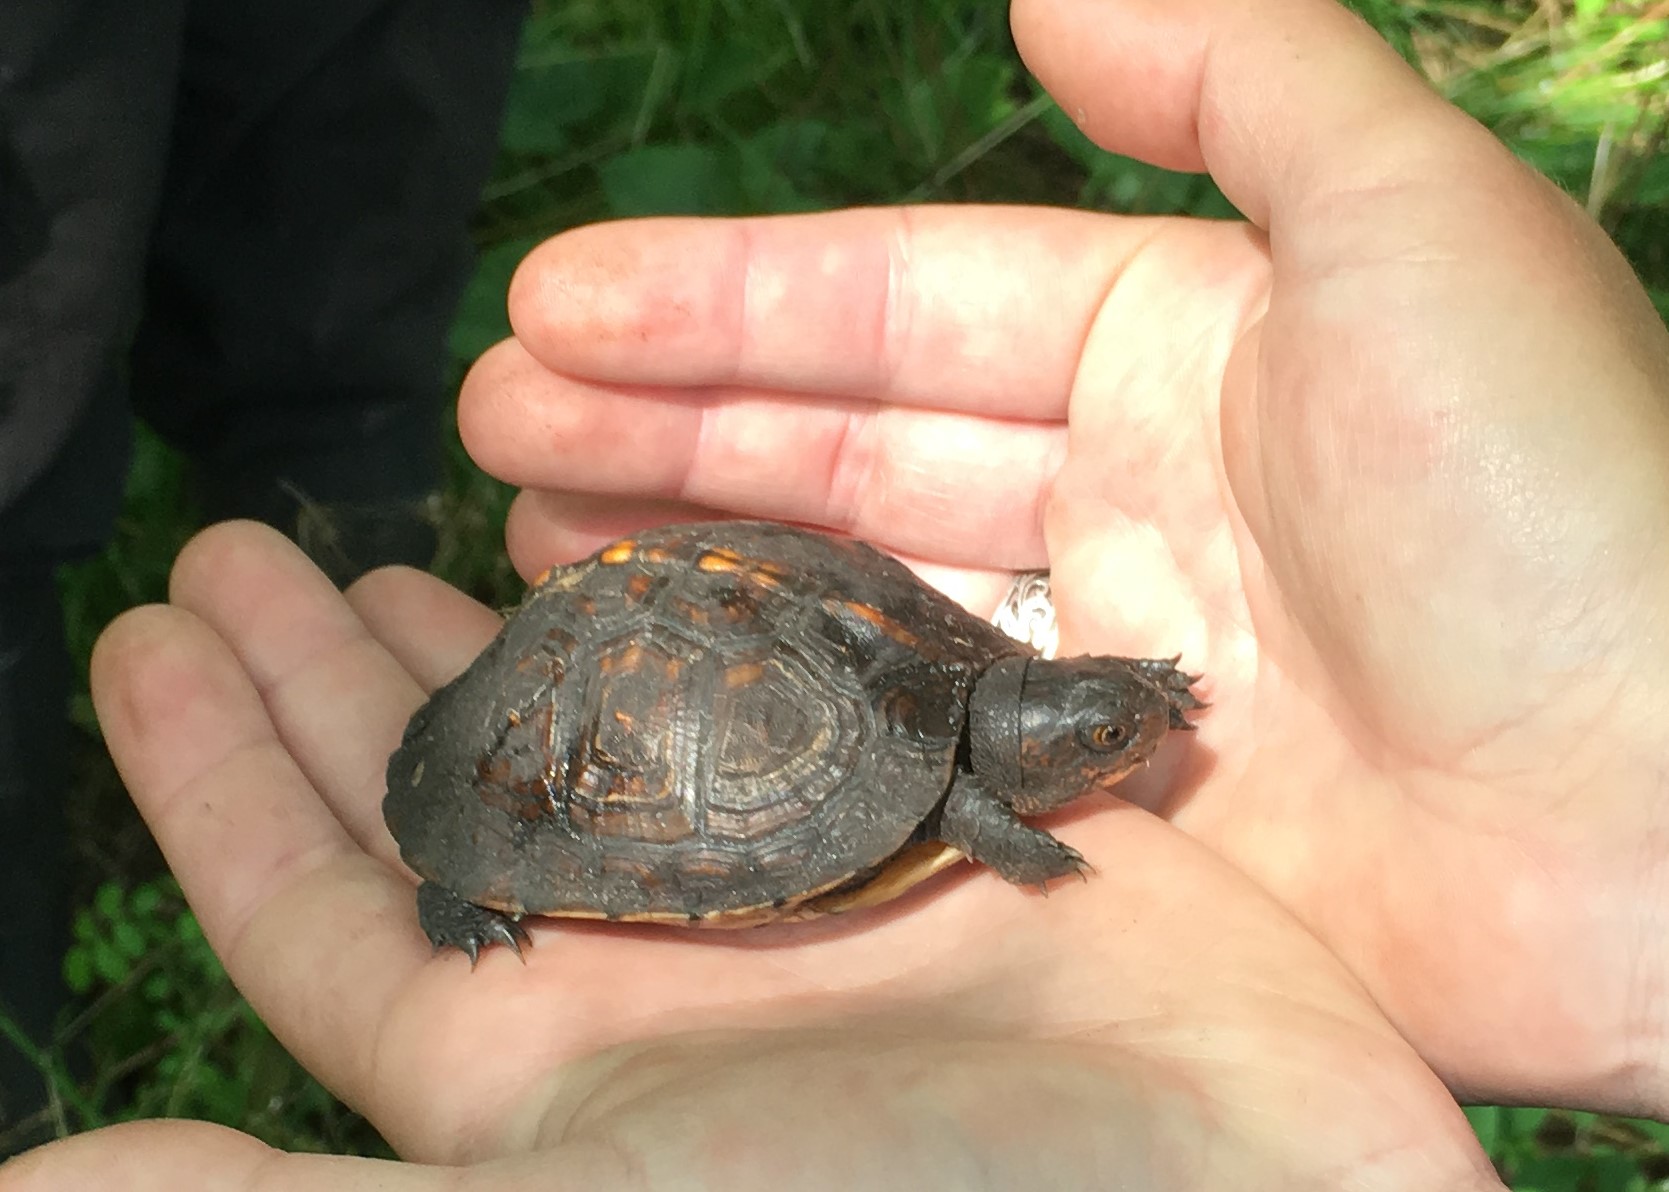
<point>1028,613</point>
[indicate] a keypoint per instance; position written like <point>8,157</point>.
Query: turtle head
<point>1044,731</point>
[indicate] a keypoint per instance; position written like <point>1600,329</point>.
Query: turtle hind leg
<point>451,922</point>
<point>986,829</point>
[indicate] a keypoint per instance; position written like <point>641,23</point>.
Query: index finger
<point>977,309</point>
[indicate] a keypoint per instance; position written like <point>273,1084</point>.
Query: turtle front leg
<point>451,922</point>
<point>987,830</point>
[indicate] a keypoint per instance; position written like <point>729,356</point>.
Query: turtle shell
<point>718,722</point>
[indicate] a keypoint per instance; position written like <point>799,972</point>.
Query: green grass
<point>629,107</point>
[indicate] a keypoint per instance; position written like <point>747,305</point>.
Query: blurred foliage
<point>1580,90</point>
<point>165,1033</point>
<point>1559,1151</point>
<point>634,107</point>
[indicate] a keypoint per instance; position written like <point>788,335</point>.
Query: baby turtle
<point>735,723</point>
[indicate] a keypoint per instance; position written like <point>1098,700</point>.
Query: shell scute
<point>719,721</point>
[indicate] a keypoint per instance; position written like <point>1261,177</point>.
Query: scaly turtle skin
<point>737,722</point>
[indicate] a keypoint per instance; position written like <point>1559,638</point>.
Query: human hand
<point>1164,1026</point>
<point>1389,464</point>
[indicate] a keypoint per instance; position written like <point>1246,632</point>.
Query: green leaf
<point>110,965</point>
<point>78,971</point>
<point>107,900</point>
<point>1575,1173</point>
<point>669,180</point>
<point>146,901</point>
<point>128,939</point>
<point>1486,1124</point>
<point>726,68</point>
<point>548,100</point>
<point>482,319</point>
<point>776,160</point>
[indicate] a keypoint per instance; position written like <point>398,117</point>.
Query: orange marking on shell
<point>627,660</point>
<point>767,575</point>
<point>743,673</point>
<point>496,788</point>
<point>620,552</point>
<point>718,560</point>
<point>695,614</point>
<point>884,623</point>
<point>638,586</point>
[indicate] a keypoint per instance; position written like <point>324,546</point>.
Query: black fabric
<point>248,223</point>
<point>257,232</point>
<point>86,95</point>
<point>312,245</point>
<point>24,222</point>
<point>34,860</point>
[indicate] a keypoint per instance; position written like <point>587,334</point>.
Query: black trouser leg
<point>307,249</point>
<point>87,93</point>
<point>312,246</point>
<point>34,864</point>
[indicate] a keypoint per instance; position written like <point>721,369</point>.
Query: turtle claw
<point>1080,869</point>
<point>451,922</point>
<point>1177,686</point>
<point>1057,860</point>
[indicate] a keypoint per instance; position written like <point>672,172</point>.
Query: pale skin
<point>1388,464</point>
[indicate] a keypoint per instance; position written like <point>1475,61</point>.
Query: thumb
<point>181,1156</point>
<point>1269,97</point>
<point>1321,135</point>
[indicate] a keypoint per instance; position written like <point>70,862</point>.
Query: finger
<point>298,912</point>
<point>338,699</point>
<point>1317,131</point>
<point>926,306</point>
<point>433,630</point>
<point>1364,177</point>
<point>168,1156</point>
<point>959,487</point>
<point>1275,99</point>
<point>174,1155</point>
<point>142,1157</point>
<point>548,528</point>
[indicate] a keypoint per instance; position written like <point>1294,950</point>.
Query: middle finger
<point>944,485</point>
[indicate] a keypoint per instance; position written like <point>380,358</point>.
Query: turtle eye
<point>1105,737</point>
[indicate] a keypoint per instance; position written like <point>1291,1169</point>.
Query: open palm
<point>1161,1026</point>
<point>1329,455</point>
<point>1389,470</point>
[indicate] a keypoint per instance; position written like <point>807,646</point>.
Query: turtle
<point>734,723</point>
